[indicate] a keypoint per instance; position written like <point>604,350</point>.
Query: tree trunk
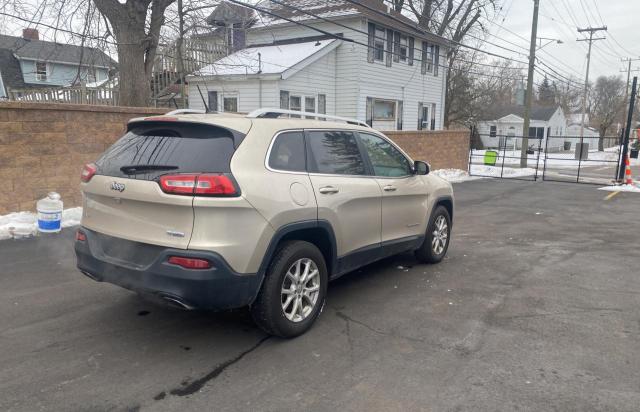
<point>603,133</point>
<point>134,80</point>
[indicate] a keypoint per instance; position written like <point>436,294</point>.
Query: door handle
<point>328,190</point>
<point>389,188</point>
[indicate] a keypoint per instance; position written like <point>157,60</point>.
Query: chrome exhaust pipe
<point>177,302</point>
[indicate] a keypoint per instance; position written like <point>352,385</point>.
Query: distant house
<point>381,68</point>
<point>28,62</point>
<point>502,125</point>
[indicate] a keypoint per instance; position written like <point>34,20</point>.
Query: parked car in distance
<point>220,211</point>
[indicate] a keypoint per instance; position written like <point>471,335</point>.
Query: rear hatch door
<point>124,198</point>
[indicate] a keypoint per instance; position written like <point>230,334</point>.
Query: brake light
<point>198,185</point>
<point>190,263</point>
<point>80,236</point>
<point>87,172</point>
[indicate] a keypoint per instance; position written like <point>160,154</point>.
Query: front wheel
<point>436,241</point>
<point>293,291</point>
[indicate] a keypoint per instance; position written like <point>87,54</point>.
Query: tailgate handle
<point>389,188</point>
<point>328,190</point>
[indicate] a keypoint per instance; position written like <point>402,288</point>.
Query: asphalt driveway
<point>537,307</point>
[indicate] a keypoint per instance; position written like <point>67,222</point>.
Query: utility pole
<point>627,129</point>
<point>626,90</point>
<point>529,92</point>
<point>591,39</point>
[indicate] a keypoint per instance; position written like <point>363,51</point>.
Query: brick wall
<point>446,149</point>
<point>44,146</point>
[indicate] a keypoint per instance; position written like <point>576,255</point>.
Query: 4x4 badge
<point>117,186</point>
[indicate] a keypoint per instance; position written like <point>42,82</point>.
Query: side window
<point>334,152</point>
<point>287,152</point>
<point>385,158</point>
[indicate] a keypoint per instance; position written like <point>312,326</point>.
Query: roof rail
<point>185,111</point>
<point>273,113</point>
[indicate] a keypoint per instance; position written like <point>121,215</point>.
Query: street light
<point>550,40</point>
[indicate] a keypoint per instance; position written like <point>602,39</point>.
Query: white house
<point>503,126</point>
<point>368,62</point>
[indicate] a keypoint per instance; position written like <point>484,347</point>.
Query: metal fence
<point>573,159</point>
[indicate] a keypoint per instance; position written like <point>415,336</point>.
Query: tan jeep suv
<point>219,211</point>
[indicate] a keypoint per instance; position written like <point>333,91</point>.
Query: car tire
<point>436,241</point>
<point>288,304</point>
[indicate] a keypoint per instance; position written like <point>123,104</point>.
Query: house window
<point>384,110</point>
<point>404,47</point>
<point>310,104</point>
<point>426,116</point>
<point>230,104</point>
<point>91,75</point>
<point>41,71</point>
<point>428,58</point>
<point>322,103</point>
<point>493,131</point>
<point>378,43</point>
<point>213,101</point>
<point>284,99</point>
<point>295,103</point>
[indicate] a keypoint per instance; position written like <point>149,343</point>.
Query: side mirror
<point>421,168</point>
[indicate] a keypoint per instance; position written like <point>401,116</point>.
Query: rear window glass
<point>287,152</point>
<point>150,150</point>
<point>335,152</point>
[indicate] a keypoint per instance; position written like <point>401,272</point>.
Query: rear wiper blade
<point>135,169</point>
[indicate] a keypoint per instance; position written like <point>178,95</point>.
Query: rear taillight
<point>199,185</point>
<point>190,263</point>
<point>87,172</point>
<point>80,236</point>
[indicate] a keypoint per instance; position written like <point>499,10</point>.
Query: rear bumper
<point>144,268</point>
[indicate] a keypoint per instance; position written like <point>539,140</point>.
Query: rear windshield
<point>148,151</point>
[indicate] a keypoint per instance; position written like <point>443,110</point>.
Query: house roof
<point>10,70</point>
<point>283,60</point>
<point>57,52</point>
<point>374,10</point>
<point>537,112</point>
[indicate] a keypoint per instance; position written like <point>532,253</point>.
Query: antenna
<point>206,108</point>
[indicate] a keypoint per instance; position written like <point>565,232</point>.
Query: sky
<point>559,19</point>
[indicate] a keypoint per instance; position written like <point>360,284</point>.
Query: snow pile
<point>454,175</point>
<point>495,171</point>
<point>622,188</point>
<point>24,224</point>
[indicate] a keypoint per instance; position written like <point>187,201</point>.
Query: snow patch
<point>24,224</point>
<point>622,188</point>
<point>454,175</point>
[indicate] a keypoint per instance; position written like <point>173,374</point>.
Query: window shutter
<point>399,115</point>
<point>419,116</point>
<point>389,46</point>
<point>213,101</point>
<point>372,36</point>
<point>284,99</point>
<point>411,45</point>
<point>369,119</point>
<point>436,59</point>
<point>433,116</point>
<point>423,69</point>
<point>396,46</point>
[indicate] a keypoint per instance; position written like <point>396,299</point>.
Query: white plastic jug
<point>50,213</point>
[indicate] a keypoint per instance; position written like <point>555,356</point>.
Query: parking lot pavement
<point>537,307</point>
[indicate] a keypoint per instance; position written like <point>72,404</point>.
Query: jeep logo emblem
<point>117,186</point>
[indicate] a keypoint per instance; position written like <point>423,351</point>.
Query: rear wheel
<point>436,241</point>
<point>293,291</point>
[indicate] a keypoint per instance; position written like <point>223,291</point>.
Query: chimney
<point>30,34</point>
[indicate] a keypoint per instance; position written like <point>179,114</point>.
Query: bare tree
<point>136,27</point>
<point>607,102</point>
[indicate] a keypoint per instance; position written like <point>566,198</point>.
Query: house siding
<point>247,91</point>
<point>58,74</point>
<point>356,79</point>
